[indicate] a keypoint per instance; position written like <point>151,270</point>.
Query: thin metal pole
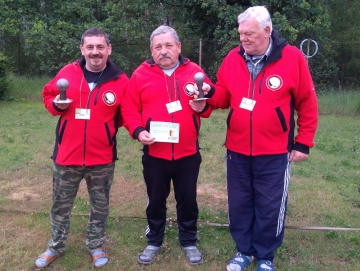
<point>200,51</point>
<point>308,51</point>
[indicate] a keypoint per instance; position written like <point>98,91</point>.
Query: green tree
<point>47,32</point>
<point>12,20</point>
<point>299,20</point>
<point>41,36</point>
<point>216,22</point>
<point>213,21</point>
<point>345,33</point>
<point>4,82</point>
<point>53,35</point>
<point>130,23</point>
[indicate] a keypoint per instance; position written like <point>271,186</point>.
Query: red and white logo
<point>109,97</point>
<point>274,82</point>
<point>189,89</point>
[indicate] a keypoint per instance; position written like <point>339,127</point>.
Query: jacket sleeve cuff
<point>204,110</point>
<point>137,132</point>
<point>211,92</point>
<point>301,148</point>
<point>57,108</point>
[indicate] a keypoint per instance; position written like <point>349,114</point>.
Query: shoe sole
<point>194,263</point>
<point>51,259</point>
<point>146,263</point>
<point>190,262</point>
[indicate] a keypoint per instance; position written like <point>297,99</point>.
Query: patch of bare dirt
<point>214,196</point>
<point>26,192</point>
<point>30,193</point>
<point>33,193</point>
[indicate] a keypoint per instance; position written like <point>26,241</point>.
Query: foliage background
<point>39,37</point>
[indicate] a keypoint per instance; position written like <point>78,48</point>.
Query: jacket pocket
<point>196,124</point>
<point>107,129</point>
<point>62,130</point>
<point>281,118</point>
<point>229,118</point>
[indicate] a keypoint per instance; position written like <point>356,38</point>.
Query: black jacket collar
<point>111,71</point>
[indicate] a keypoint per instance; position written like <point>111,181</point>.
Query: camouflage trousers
<point>66,181</point>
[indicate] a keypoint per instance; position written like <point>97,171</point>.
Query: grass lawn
<point>323,192</point>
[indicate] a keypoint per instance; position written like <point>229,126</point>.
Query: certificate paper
<point>165,131</point>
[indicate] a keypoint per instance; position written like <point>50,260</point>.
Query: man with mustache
<point>85,146</point>
<point>157,112</point>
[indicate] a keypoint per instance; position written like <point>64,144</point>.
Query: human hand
<point>145,139</point>
<point>296,156</point>
<point>197,106</point>
<point>61,106</point>
<point>205,88</point>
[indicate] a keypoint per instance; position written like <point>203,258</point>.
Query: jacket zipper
<point>86,121</point>
<point>253,81</point>
<point>251,141</point>
<point>172,92</point>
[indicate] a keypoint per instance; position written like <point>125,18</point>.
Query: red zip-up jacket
<point>148,92</point>
<point>283,85</point>
<point>90,142</point>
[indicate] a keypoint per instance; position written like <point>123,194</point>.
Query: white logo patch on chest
<point>274,82</point>
<point>109,97</point>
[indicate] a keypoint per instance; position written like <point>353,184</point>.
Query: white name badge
<point>173,107</point>
<point>165,131</point>
<point>247,104</point>
<point>82,114</point>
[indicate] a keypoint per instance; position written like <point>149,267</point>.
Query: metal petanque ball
<point>62,85</point>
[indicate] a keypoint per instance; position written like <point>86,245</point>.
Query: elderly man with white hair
<point>263,82</point>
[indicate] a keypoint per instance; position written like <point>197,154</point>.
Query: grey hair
<point>163,29</point>
<point>260,13</point>
<point>97,32</point>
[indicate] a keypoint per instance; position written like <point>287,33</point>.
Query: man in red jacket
<point>85,146</point>
<point>262,82</point>
<point>157,112</point>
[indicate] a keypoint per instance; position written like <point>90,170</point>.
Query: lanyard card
<point>247,104</point>
<point>82,114</point>
<point>173,107</point>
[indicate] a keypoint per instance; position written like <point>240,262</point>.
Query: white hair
<point>260,13</point>
<point>163,29</point>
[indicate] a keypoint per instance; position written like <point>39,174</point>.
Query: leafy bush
<point>4,83</point>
